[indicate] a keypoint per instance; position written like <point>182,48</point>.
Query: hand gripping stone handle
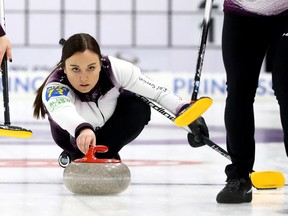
<point>90,156</point>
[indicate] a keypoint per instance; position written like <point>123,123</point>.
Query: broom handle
<point>4,70</point>
<point>202,48</point>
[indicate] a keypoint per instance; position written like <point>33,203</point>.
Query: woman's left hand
<point>5,48</point>
<point>86,139</point>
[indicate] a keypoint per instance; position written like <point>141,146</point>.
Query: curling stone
<point>93,176</point>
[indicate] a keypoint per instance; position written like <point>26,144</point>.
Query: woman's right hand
<point>86,139</point>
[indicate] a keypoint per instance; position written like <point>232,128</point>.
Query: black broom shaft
<point>202,48</point>
<point>199,63</point>
<point>217,148</point>
<point>4,70</point>
<point>5,91</point>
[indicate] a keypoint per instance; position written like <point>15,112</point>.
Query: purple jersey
<point>256,7</point>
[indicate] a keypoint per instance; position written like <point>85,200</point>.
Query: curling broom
<point>7,129</point>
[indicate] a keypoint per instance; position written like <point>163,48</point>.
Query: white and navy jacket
<point>72,110</point>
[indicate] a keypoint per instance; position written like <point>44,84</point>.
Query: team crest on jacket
<point>55,91</point>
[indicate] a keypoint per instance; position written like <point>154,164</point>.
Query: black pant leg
<point>279,50</point>
<point>243,54</point>
<point>127,122</point>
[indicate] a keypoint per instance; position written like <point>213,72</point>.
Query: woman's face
<point>83,70</point>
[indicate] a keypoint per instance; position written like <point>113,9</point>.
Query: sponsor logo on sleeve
<point>55,91</point>
<point>57,102</point>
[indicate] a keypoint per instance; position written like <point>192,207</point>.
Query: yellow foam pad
<point>193,112</point>
<point>14,131</point>
<point>267,179</point>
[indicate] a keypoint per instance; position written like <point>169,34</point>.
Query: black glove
<point>198,129</point>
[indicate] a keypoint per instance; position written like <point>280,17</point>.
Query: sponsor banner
<point>23,85</point>
<point>211,84</point>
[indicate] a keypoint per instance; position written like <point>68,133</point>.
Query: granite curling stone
<point>92,176</point>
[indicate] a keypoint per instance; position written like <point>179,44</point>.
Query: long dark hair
<point>76,43</point>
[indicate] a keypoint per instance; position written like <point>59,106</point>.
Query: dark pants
<point>129,119</point>
<point>245,41</point>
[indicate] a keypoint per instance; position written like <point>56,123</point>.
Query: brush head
<point>193,112</point>
<point>15,131</point>
<point>267,179</point>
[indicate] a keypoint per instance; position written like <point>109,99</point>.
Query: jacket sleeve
<point>2,32</point>
<point>59,102</point>
<point>131,78</point>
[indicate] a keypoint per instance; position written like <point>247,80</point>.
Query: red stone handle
<point>91,158</point>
